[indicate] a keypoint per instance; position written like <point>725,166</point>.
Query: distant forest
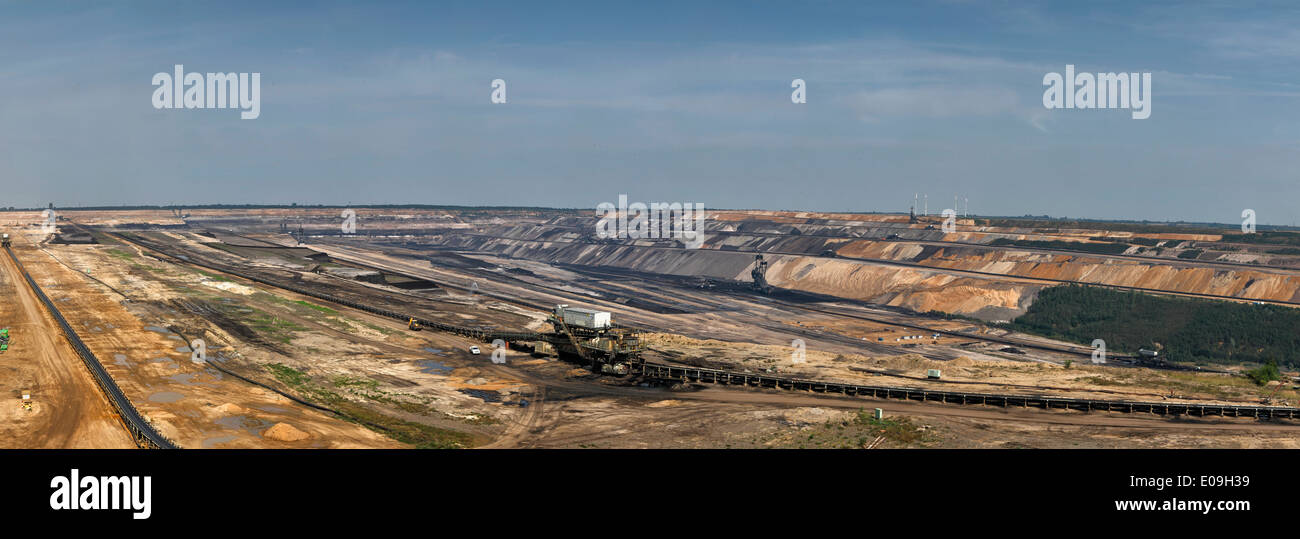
<point>1102,248</point>
<point>1192,330</point>
<point>1271,238</point>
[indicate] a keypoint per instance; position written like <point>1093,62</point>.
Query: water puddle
<point>429,366</point>
<point>493,397</point>
<point>270,408</point>
<point>185,378</point>
<point>165,396</point>
<point>157,329</point>
<point>434,351</point>
<point>252,425</point>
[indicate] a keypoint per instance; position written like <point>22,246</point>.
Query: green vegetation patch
<point>320,308</point>
<point>294,304</point>
<point>1190,330</point>
<point>356,382</point>
<point>213,276</point>
<point>288,376</point>
<point>856,432</point>
<point>104,239</point>
<point>1265,373</point>
<point>1135,240</point>
<point>1265,237</point>
<point>408,432</point>
<point>416,434</point>
<point>897,429</point>
<point>1099,248</point>
<point>121,254</point>
<point>273,327</point>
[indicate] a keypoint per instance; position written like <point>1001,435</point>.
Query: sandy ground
<point>193,405</point>
<point>68,409</point>
<point>422,377</point>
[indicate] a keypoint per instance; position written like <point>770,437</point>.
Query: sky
<point>390,103</point>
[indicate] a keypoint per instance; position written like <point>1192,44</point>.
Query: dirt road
<point>69,411</point>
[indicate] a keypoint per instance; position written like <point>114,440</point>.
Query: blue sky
<point>665,101</point>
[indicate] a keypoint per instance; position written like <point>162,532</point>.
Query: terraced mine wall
<point>1241,282</point>
<point>986,285</point>
<point>917,289</point>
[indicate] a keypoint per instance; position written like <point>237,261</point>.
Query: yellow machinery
<point>414,325</point>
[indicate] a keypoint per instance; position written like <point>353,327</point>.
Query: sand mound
<point>231,409</point>
<point>803,417</point>
<point>664,403</point>
<point>961,361</point>
<point>285,432</point>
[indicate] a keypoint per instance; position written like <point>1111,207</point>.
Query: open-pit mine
<point>429,327</point>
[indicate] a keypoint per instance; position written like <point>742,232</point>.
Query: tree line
<point>1183,329</point>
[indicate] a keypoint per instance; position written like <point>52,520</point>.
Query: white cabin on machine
<point>583,318</point>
